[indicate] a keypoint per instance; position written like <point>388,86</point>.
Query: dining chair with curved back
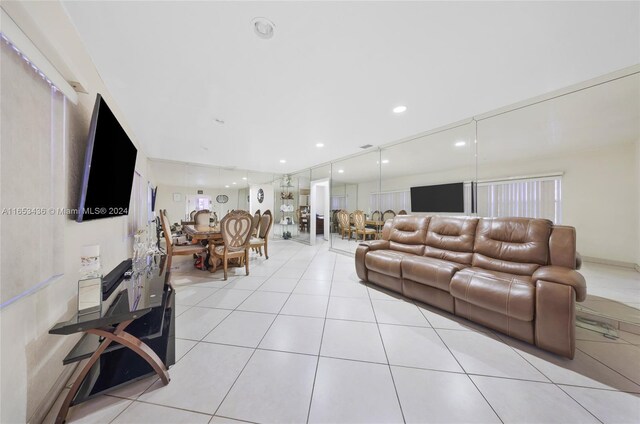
<point>388,214</point>
<point>266,222</point>
<point>402,212</point>
<point>343,223</point>
<point>376,216</point>
<point>192,214</point>
<point>255,223</point>
<point>360,227</point>
<point>202,217</point>
<point>190,249</point>
<point>236,232</point>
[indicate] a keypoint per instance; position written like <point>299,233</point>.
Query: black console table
<point>144,308</point>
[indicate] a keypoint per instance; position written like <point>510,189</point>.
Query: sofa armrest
<point>361,252</point>
<point>375,244</point>
<point>578,260</point>
<point>566,276</point>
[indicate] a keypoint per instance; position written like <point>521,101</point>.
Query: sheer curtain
<point>527,197</point>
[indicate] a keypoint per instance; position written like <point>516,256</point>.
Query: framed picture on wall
<point>177,197</point>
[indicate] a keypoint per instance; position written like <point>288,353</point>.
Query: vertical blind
<point>527,197</point>
<point>338,202</point>
<point>390,200</point>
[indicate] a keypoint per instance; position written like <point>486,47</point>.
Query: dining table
<point>203,232</point>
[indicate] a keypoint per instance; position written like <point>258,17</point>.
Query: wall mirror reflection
<point>353,180</point>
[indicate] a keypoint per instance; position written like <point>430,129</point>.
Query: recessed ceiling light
<point>340,171</point>
<point>244,178</point>
<point>461,143</point>
<point>385,160</point>
<point>399,109</point>
<point>283,161</point>
<point>234,183</point>
<point>226,186</point>
<point>319,145</point>
<point>263,27</point>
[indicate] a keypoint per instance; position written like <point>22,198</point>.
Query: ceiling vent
<point>366,146</point>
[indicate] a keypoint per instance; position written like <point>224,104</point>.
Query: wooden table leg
<point>118,335</point>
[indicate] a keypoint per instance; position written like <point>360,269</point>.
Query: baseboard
<point>45,406</point>
<point>611,262</point>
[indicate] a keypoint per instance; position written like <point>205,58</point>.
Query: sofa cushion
<point>451,238</point>
<point>386,262</point>
<point>430,271</point>
<point>512,245</point>
<point>508,294</point>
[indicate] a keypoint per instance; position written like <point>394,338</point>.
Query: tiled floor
<point>302,340</point>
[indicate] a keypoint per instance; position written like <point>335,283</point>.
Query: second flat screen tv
<point>109,166</point>
<point>438,198</point>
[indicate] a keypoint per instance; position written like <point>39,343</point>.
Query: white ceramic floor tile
<point>274,387</point>
<point>225,299</point>
<point>269,302</point>
<point>314,287</point>
<point>607,406</point>
<point>290,272</point>
<point>241,329</point>
<point>319,273</point>
<point>252,282</point>
<point>351,309</point>
<point>629,337</point>
<point>306,305</point>
<point>134,390</point>
<point>183,346</point>
<point>276,284</point>
<point>594,336</point>
<point>444,320</point>
<point>349,289</point>
<point>379,293</point>
<point>403,313</point>
<point>440,397</point>
<point>582,370</point>
<point>224,420</point>
<point>479,353</point>
<point>517,401</point>
<point>352,340</point>
<point>353,392</point>
<point>180,309</point>
<point>197,322</point>
<point>200,381</point>
<point>102,409</point>
<point>140,412</point>
<point>623,358</point>
<point>294,334</point>
<point>190,295</point>
<point>417,347</point>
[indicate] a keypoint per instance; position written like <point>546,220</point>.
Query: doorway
<point>319,216</point>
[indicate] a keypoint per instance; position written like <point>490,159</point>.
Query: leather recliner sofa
<point>515,275</point>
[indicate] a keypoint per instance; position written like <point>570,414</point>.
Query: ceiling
<point>334,70</point>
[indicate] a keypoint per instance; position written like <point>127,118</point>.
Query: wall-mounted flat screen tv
<point>109,165</point>
<point>438,198</point>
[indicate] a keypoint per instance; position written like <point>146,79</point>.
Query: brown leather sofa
<point>515,275</point>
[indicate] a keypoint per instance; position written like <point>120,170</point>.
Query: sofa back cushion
<point>408,233</point>
<point>451,238</point>
<point>514,245</point>
<point>562,246</point>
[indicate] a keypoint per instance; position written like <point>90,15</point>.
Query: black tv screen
<point>438,198</point>
<point>109,165</point>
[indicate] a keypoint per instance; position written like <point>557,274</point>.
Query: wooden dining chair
<point>172,250</point>
<point>388,214</point>
<point>359,225</point>
<point>343,223</point>
<point>202,217</point>
<point>376,216</point>
<point>255,223</point>
<point>236,233</point>
<point>402,212</point>
<point>266,222</point>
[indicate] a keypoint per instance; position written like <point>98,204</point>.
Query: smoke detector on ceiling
<point>263,27</point>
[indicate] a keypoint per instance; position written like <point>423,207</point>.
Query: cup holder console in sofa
<point>515,275</point>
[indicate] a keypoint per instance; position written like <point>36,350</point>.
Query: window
<point>391,200</point>
<point>338,202</point>
<point>533,197</point>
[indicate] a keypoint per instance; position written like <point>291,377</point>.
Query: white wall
<point>267,203</point>
<point>176,210</point>
<point>600,189</point>
<point>31,359</point>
